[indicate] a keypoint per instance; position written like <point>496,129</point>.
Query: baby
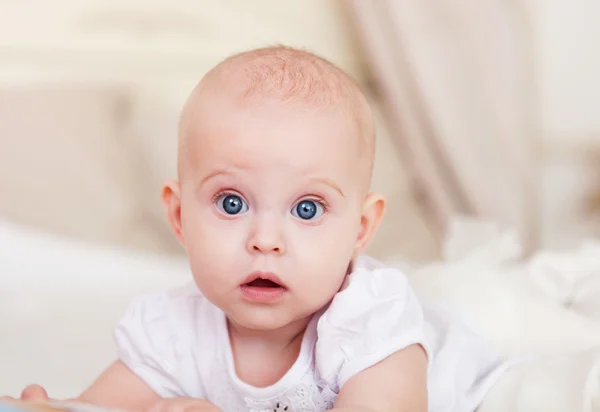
<point>273,208</point>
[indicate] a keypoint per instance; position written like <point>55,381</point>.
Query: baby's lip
<point>268,276</point>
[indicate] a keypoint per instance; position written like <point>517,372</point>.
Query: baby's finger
<point>35,393</point>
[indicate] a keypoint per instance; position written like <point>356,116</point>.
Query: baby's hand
<point>183,405</point>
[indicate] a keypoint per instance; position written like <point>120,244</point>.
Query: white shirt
<point>178,343</point>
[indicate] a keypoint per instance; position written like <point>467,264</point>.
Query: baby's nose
<point>266,248</point>
<point>266,245</point>
<point>266,239</point>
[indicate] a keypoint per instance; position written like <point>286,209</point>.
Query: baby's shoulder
<point>165,335</point>
<point>372,284</point>
<point>375,314</point>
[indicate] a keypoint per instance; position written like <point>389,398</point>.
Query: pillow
<point>34,261</point>
<point>59,302</point>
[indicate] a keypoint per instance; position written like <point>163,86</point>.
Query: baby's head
<point>272,204</point>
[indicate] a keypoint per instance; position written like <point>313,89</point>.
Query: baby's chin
<point>267,319</point>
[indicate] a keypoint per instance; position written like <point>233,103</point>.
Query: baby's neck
<point>281,337</point>
<point>263,357</point>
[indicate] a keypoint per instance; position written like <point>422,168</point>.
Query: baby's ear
<point>171,199</point>
<point>372,214</point>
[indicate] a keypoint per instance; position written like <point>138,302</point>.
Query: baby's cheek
<point>327,252</point>
<point>336,238</point>
<point>219,240</point>
<point>214,254</point>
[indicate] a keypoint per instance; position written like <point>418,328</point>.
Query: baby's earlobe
<point>171,199</point>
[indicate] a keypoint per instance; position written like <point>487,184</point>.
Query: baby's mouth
<point>263,289</point>
<point>262,283</point>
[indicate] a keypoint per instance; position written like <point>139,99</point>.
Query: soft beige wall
<point>144,41</point>
<point>568,35</point>
<point>567,66</point>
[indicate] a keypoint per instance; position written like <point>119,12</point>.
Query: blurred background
<point>484,108</point>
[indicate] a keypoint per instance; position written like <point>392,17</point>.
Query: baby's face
<point>271,202</point>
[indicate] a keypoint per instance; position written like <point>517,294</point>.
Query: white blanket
<point>59,301</point>
<point>546,307</point>
<point>570,278</point>
<point>483,274</point>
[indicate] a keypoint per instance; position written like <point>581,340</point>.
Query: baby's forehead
<point>285,76</point>
<point>273,165</point>
<point>275,132</point>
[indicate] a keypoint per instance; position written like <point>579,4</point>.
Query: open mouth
<point>263,283</point>
<point>263,287</point>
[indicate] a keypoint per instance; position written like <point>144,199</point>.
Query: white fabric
<point>178,343</point>
<point>521,316</point>
<point>484,276</point>
<point>570,278</point>
<point>59,302</point>
<point>562,383</point>
<point>36,261</point>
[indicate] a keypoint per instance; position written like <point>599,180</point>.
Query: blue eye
<point>232,205</point>
<point>308,210</point>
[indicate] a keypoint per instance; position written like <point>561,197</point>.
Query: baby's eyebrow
<point>329,183</point>
<point>321,180</point>
<point>215,173</point>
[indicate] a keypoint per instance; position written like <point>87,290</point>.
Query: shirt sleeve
<point>376,315</point>
<point>149,342</point>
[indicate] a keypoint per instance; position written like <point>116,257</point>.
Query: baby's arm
<point>396,384</point>
<point>116,388</point>
<point>119,388</point>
